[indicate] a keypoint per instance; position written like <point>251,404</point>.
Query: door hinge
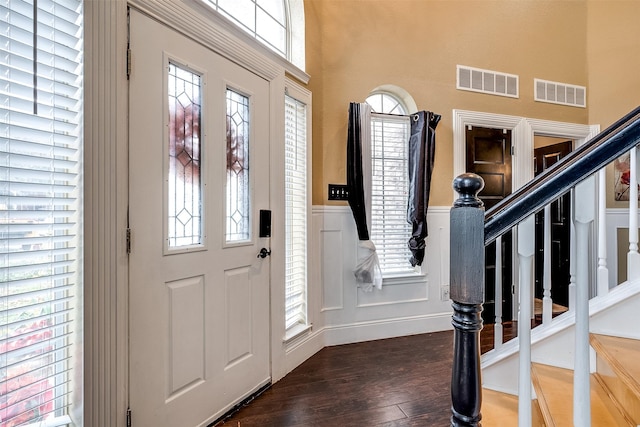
<point>128,63</point>
<point>513,150</point>
<point>128,417</point>
<point>128,240</point>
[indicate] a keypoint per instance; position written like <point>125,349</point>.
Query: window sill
<point>295,332</point>
<point>52,422</point>
<point>403,279</point>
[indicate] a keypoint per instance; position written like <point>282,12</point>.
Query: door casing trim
<point>523,130</point>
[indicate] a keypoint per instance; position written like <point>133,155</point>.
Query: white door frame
<point>523,130</point>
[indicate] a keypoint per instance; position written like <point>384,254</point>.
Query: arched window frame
<point>390,131</point>
<point>292,21</point>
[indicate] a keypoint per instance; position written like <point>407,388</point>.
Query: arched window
<point>390,182</point>
<point>278,24</point>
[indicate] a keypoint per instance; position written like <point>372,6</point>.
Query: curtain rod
<point>392,115</point>
<point>409,116</point>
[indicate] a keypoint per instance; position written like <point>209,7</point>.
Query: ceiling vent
<point>486,81</point>
<point>560,93</point>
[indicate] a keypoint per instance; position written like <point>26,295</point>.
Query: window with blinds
<point>390,230</point>
<point>295,212</point>
<point>40,205</point>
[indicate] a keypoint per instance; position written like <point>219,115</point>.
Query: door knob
<point>264,253</point>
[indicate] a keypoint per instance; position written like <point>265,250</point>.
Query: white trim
<point>297,31</point>
<point>54,422</point>
<point>300,349</point>
<point>197,21</point>
<point>386,328</point>
<point>405,98</point>
<point>616,218</point>
<point>294,333</point>
<point>106,188</point>
<point>519,133</point>
<point>565,321</point>
<point>580,133</point>
<point>523,132</point>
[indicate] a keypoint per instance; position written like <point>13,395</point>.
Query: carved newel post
<point>467,293</point>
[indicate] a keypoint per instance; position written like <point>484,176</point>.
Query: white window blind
<point>390,230</point>
<point>295,212</point>
<point>40,153</point>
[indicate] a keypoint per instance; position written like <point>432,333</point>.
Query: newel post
<point>467,293</point>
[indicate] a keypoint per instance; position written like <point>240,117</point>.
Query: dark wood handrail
<point>617,139</point>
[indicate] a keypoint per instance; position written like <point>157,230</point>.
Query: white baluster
<point>572,257</point>
<point>584,215</point>
<point>497,327</point>
<point>603,271</point>
<point>526,250</point>
<point>633,257</point>
<point>546,277</point>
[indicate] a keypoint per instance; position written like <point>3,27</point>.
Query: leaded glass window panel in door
<point>184,181</point>
<point>237,193</point>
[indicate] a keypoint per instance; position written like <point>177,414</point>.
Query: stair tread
<point>501,410</point>
<point>554,388</point>
<point>621,354</point>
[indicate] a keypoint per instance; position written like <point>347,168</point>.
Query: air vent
<point>560,93</point>
<point>486,81</point>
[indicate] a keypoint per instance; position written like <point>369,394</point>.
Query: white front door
<point>199,295</point>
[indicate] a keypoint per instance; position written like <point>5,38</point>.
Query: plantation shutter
<point>40,137</point>
<point>295,211</point>
<point>389,191</point>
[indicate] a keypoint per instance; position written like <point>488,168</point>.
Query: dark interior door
<point>488,154</point>
<point>544,158</point>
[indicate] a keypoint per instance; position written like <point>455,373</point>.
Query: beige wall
<point>354,46</point>
<point>613,61</point>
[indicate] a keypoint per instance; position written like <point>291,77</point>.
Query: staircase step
<point>501,410</point>
<point>619,371</point>
<point>554,388</point>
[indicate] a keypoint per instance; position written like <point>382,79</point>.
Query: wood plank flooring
<point>396,382</point>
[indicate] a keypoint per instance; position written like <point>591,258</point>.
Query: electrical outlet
<point>338,192</point>
<point>444,293</point>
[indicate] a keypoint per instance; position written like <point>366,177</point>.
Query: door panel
<point>544,158</point>
<point>199,296</point>
<point>488,154</point>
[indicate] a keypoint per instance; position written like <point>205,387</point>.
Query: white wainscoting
<point>617,218</point>
<point>408,306</point>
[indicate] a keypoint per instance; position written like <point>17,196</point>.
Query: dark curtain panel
<point>422,146</point>
<point>354,171</point>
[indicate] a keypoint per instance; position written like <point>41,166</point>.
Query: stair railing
<point>472,229</point>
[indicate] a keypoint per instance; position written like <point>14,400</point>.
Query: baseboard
<point>302,349</point>
<point>386,328</point>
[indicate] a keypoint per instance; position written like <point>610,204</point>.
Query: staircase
<point>574,369</point>
<point>615,390</point>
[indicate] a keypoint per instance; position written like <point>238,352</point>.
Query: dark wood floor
<point>395,382</point>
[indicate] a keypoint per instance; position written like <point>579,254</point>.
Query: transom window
<point>390,230</point>
<point>266,20</point>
